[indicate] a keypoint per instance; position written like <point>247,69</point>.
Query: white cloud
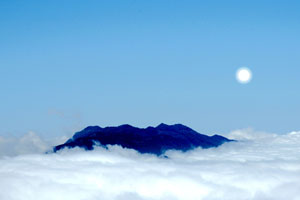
<point>261,166</point>
<point>27,144</point>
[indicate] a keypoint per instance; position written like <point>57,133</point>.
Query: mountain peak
<point>162,125</point>
<point>175,127</point>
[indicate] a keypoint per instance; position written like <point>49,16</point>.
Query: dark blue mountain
<point>155,140</point>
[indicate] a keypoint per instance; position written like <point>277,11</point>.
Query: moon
<point>243,75</point>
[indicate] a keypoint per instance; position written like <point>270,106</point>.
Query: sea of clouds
<point>261,166</point>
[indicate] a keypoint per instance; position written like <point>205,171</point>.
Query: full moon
<point>244,75</point>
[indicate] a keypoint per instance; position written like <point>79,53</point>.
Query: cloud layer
<point>261,166</point>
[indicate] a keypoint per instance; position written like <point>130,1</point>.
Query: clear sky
<point>65,65</point>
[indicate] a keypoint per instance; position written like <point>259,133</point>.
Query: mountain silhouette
<point>155,140</point>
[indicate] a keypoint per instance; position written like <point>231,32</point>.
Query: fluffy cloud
<point>260,166</point>
<point>26,144</point>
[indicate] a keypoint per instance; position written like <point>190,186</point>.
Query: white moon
<point>244,75</point>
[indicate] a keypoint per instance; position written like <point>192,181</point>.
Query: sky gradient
<point>65,65</point>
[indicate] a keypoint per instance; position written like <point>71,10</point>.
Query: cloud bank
<point>260,166</point>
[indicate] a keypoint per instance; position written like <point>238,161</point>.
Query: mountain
<point>155,140</point>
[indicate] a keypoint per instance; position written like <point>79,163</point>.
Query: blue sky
<point>65,65</point>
